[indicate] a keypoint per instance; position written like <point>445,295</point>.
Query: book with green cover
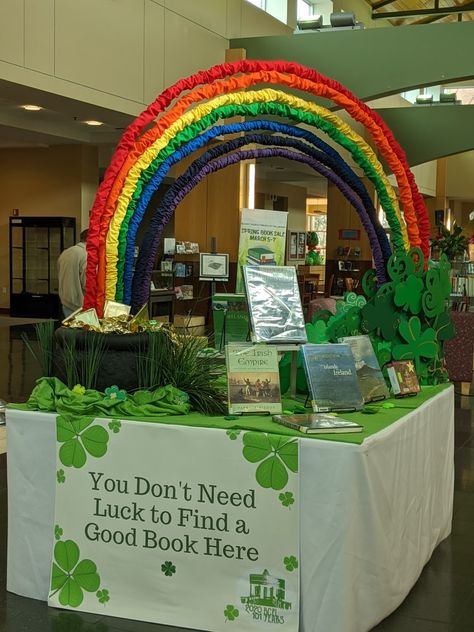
<point>261,254</point>
<point>253,379</point>
<point>230,318</point>
<point>318,423</point>
<point>332,379</point>
<point>371,380</point>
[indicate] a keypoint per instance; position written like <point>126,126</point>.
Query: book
<point>274,303</point>
<point>332,380</point>
<point>317,423</point>
<point>230,317</point>
<point>261,254</point>
<point>253,379</point>
<point>256,262</point>
<point>403,378</point>
<point>371,380</point>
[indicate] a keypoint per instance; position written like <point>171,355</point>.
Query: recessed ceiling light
<point>93,123</point>
<point>32,108</point>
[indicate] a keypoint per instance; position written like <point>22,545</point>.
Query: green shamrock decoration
<point>286,499</point>
<point>369,283</point>
<point>317,331</point>
<point>276,454</point>
<point>103,596</point>
<point>383,350</point>
<point>230,612</point>
<point>436,295</point>
<point>291,563</point>
<point>58,532</point>
<point>70,576</point>
<point>387,289</point>
<point>78,389</point>
<point>444,327</point>
<point>115,425</point>
<point>344,323</point>
<point>417,345</point>
<point>321,314</point>
<point>78,436</point>
<point>60,476</point>
<point>232,434</point>
<point>380,313</point>
<point>408,294</point>
<point>400,266</point>
<point>168,568</point>
<point>115,393</point>
<point>351,299</point>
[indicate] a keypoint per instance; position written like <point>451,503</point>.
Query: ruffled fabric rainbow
<point>185,118</point>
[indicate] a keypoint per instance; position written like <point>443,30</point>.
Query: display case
<point>35,245</point>
<point>462,286</point>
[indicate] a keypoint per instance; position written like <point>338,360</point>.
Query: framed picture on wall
<point>292,245</point>
<point>301,245</point>
<point>349,233</point>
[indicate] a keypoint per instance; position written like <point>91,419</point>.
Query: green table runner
<point>59,401</point>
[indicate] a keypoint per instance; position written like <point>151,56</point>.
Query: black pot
<point>119,362</point>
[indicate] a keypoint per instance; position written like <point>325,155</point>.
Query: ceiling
<point>409,12</point>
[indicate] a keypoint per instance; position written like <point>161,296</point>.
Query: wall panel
<point>39,35</point>
<point>154,62</point>
<point>11,31</point>
<point>100,45</point>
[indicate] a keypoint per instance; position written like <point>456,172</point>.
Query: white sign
<point>262,240</point>
<point>183,526</point>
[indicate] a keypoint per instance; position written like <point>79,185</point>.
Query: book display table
<point>371,510</point>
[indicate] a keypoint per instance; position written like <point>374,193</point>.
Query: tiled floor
<point>441,601</point>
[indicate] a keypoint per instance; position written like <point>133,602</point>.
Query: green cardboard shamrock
<point>408,294</point>
<point>418,345</point>
<point>380,313</point>
<point>437,292</point>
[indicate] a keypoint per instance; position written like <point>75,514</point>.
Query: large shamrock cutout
<point>437,292</point>
<point>78,437</point>
<point>344,323</point>
<point>408,294</point>
<point>418,345</point>
<point>380,313</point>
<point>383,351</point>
<point>276,455</point>
<point>400,266</point>
<point>444,327</point>
<point>317,331</point>
<point>369,283</point>
<point>70,576</point>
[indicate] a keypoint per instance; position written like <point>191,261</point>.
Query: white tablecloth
<point>371,514</point>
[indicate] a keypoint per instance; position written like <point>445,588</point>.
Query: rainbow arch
<point>176,118</point>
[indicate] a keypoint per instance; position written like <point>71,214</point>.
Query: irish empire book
<point>253,380</point>
<point>274,304</point>
<point>331,375</point>
<point>371,380</point>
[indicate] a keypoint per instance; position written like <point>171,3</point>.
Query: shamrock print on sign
<point>291,563</point>
<point>168,568</point>
<point>103,596</point>
<point>115,425</point>
<point>276,453</point>
<point>78,436</point>
<point>71,576</point>
<point>60,477</point>
<point>287,499</point>
<point>58,532</point>
<point>231,613</point>
<point>233,434</point>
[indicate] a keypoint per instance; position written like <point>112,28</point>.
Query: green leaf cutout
<point>417,345</point>
<point>408,294</point>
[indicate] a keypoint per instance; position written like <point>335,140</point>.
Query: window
<point>318,222</point>
<point>258,3</point>
<point>304,9</point>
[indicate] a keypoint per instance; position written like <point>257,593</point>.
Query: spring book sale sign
<point>176,525</point>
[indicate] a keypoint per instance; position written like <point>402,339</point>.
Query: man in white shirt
<point>72,275</point>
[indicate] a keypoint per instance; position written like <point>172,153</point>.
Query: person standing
<point>72,275</point>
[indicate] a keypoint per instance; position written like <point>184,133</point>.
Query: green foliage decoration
<point>417,345</point>
<point>405,317</point>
